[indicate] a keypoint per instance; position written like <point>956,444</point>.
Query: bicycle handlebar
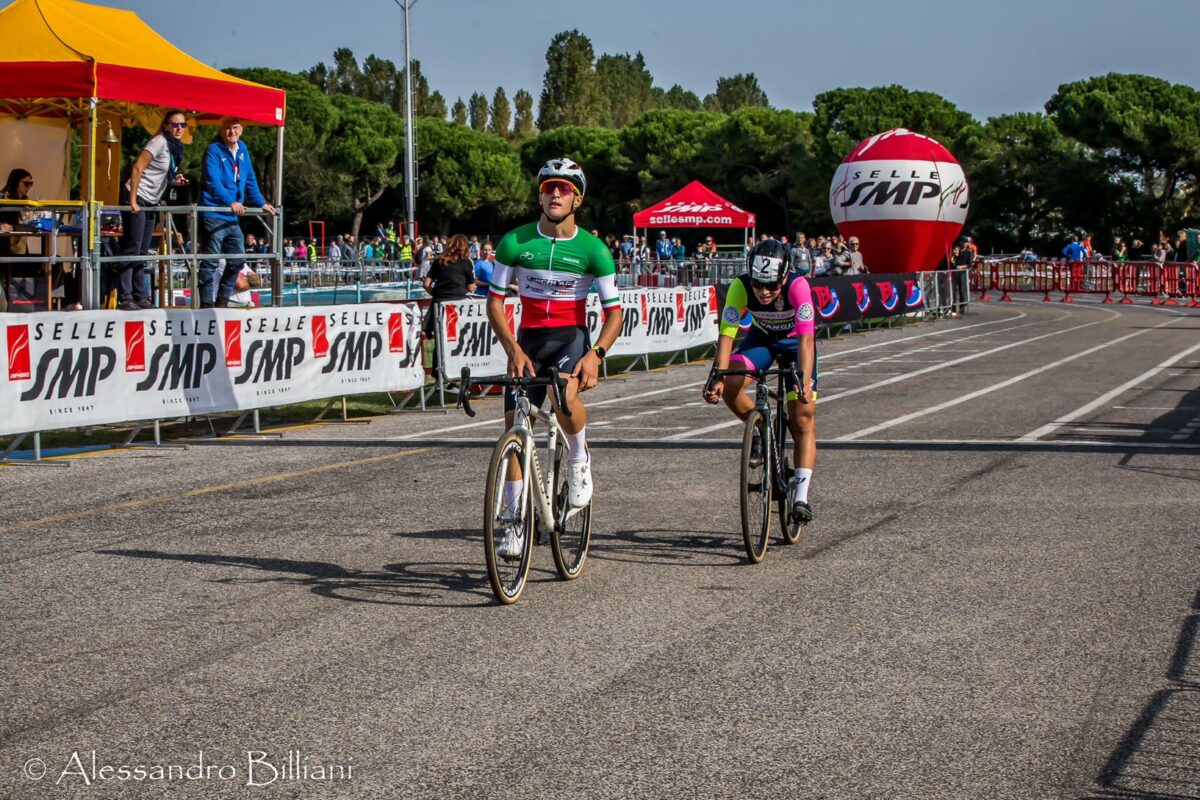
<point>548,377</point>
<point>758,374</point>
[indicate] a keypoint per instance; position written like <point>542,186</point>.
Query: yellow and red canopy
<point>65,49</point>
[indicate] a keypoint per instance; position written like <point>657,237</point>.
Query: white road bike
<point>542,509</point>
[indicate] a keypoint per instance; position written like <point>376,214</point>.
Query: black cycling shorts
<point>558,347</point>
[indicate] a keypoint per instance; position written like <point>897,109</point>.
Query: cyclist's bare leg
<point>514,465</point>
<point>574,423</point>
<point>802,421</point>
<point>739,402</point>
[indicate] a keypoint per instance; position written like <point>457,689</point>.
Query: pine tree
<point>570,90</point>
<point>477,109</point>
<point>523,117</point>
<point>501,115</point>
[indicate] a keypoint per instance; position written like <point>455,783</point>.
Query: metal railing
<point>169,260</point>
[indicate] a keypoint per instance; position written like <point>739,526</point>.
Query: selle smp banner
<point>653,321</point>
<point>64,370</point>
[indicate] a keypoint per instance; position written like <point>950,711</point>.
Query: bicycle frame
<point>531,468</point>
<point>543,490</point>
<point>776,423</point>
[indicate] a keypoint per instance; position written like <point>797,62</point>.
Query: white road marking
<point>1019,444</point>
<point>466,426</point>
<point>824,357</point>
<point>1107,397</point>
<point>1187,431</point>
<point>1118,431</point>
<point>901,340</point>
<point>994,387</point>
<point>902,377</point>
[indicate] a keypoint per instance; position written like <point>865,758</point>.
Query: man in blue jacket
<point>1074,251</point>
<point>228,181</point>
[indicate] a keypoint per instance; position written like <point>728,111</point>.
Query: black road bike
<point>766,474</point>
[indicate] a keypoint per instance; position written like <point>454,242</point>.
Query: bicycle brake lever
<point>560,394</point>
<point>464,392</point>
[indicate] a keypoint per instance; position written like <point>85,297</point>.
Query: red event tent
<point>694,206</point>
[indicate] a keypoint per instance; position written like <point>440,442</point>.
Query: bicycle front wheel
<point>507,530</point>
<point>789,527</point>
<point>572,532</point>
<point>756,487</point>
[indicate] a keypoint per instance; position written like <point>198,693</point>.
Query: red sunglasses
<point>563,187</point>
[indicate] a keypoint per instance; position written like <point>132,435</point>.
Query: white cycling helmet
<point>768,262</point>
<point>563,169</point>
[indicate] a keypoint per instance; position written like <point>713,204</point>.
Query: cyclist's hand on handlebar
<point>713,395</point>
<point>519,365</point>
<point>587,371</point>
<point>805,393</point>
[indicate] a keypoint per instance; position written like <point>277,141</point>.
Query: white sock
<point>803,479</point>
<point>576,447</point>
<point>512,495</point>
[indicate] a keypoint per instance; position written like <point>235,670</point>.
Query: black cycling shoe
<point>756,451</point>
<point>802,512</point>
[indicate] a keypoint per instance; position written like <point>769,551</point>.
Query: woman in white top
<point>156,168</point>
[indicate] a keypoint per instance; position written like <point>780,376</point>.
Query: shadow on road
<point>402,583</point>
<point>1159,756</point>
<point>670,547</point>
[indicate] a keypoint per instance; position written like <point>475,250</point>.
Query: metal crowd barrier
<point>1169,283</point>
<point>42,221</point>
<point>389,280</point>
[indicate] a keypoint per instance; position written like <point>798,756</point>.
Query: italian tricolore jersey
<point>554,276</point>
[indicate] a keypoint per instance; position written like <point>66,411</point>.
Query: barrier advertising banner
<point>466,339</point>
<point>634,316</point>
<point>653,321</point>
<point>680,318</point>
<point>853,297</point>
<point>65,370</point>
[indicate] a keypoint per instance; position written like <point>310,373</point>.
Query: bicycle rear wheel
<point>507,574</point>
<point>756,489</point>
<point>572,532</point>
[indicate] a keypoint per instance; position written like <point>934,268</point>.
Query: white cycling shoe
<point>579,484</point>
<point>512,544</point>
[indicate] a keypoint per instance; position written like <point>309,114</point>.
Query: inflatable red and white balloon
<point>904,196</point>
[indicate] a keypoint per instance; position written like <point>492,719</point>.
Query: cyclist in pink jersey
<point>779,303</point>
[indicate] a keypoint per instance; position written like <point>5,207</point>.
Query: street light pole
<point>410,166</point>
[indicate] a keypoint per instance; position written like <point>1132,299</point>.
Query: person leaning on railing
<point>228,182</point>
<point>156,168</point>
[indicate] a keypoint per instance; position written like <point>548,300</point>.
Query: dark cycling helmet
<point>768,262</point>
<point>563,169</point>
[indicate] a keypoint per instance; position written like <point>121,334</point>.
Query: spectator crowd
<point>228,268</point>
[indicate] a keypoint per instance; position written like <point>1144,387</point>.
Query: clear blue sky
<point>989,58</point>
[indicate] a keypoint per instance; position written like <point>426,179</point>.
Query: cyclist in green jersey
<point>555,264</point>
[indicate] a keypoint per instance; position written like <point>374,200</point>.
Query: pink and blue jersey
<point>791,314</point>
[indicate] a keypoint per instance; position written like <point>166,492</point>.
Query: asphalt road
<point>998,598</point>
